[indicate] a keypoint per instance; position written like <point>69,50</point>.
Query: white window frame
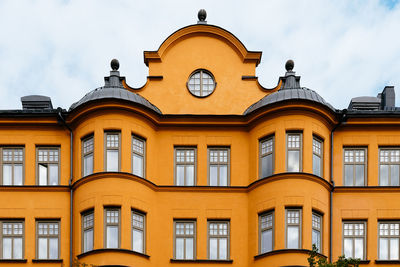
<point>47,162</point>
<point>317,226</point>
<point>48,237</point>
<point>353,237</point>
<point>87,151</point>
<point>391,232</point>
<point>269,150</point>
<point>299,149</point>
<point>13,162</point>
<point>87,225</point>
<point>390,159</point>
<point>318,152</point>
<point>185,237</point>
<point>354,163</point>
<point>218,163</point>
<point>185,163</point>
<point>112,224</point>
<point>218,236</point>
<point>136,226</point>
<point>112,148</point>
<point>270,215</point>
<point>12,236</point>
<point>136,152</point>
<point>290,224</point>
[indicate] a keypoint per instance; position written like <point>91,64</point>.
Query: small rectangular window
<point>317,231</point>
<point>267,157</point>
<point>112,223</point>
<point>185,240</point>
<point>138,156</point>
<point>317,156</point>
<point>266,232</point>
<point>294,148</point>
<point>389,236</point>
<point>293,228</point>
<point>87,231</point>
<point>112,147</point>
<point>354,234</point>
<point>389,164</point>
<point>218,166</point>
<point>12,239</point>
<point>48,164</point>
<point>185,166</point>
<point>355,166</point>
<point>138,231</point>
<point>12,166</point>
<point>218,240</point>
<point>87,156</point>
<point>48,240</point>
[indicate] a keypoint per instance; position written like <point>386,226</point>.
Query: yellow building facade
<point>201,166</point>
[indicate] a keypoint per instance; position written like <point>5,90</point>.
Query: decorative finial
<point>289,65</point>
<point>202,15</point>
<point>114,64</point>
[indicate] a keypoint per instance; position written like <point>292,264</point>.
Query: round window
<point>201,83</point>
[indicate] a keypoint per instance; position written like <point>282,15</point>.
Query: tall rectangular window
<point>266,232</point>
<point>389,162</point>
<point>354,166</point>
<point>293,228</point>
<point>12,165</point>
<point>294,148</point>
<point>185,240</point>
<point>48,240</point>
<point>354,234</point>
<point>185,166</point>
<point>218,240</point>
<point>48,163</point>
<point>218,166</point>
<point>138,231</point>
<point>317,231</point>
<point>389,236</point>
<point>87,231</point>
<point>267,157</point>
<point>112,151</point>
<point>87,156</point>
<point>317,156</point>
<point>112,224</point>
<point>138,156</point>
<point>12,239</point>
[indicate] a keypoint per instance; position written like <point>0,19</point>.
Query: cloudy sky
<point>62,49</point>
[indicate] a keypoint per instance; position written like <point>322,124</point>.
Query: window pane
<point>17,248</point>
<point>112,160</point>
<point>213,175</point>
<point>348,175</point>
<point>42,174</point>
<point>293,161</point>
<point>316,239</point>
<point>394,248</point>
<point>223,175</point>
<point>53,174</point>
<point>359,248</point>
<point>394,175</point>
<point>316,165</point>
<point>189,175</point>
<point>18,174</point>
<point>213,248</point>
<point>359,175</point>
<point>137,237</point>
<point>383,249</point>
<point>292,237</point>
<point>88,165</point>
<point>189,248</point>
<point>266,241</point>
<point>180,175</point>
<point>266,166</point>
<point>384,175</point>
<point>348,248</point>
<point>112,236</point>
<point>7,174</point>
<point>179,248</point>
<point>53,248</point>
<point>137,165</point>
<point>88,240</point>
<point>223,248</point>
<point>6,248</point>
<point>42,254</point>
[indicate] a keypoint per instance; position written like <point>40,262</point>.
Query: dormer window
<point>201,83</point>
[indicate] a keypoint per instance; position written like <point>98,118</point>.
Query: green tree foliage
<point>316,260</point>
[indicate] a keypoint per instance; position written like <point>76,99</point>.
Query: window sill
<point>285,251</point>
<point>105,250</point>
<point>364,261</point>
<point>13,261</point>
<point>387,262</point>
<point>47,260</point>
<point>201,261</point>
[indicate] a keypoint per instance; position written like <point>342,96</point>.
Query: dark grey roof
<point>36,102</point>
<point>114,92</point>
<point>286,95</point>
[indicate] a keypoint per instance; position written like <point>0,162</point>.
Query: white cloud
<point>62,49</point>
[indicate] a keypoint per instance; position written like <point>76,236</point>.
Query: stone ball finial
<point>202,15</point>
<point>289,65</point>
<point>114,64</point>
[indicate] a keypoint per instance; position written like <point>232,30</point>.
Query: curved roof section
<point>282,95</point>
<point>114,93</point>
<point>198,29</point>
